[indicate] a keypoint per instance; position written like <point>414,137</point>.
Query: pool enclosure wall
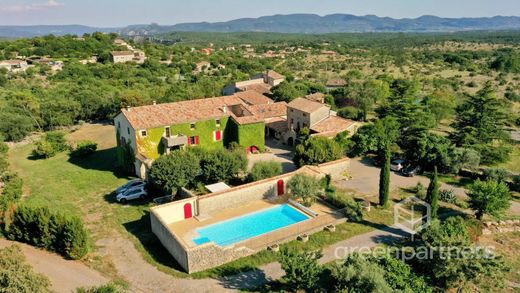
<point>195,258</point>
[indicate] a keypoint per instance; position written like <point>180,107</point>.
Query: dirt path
<point>144,277</point>
<point>65,275</point>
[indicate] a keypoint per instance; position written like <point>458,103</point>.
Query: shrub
<point>352,209</point>
<point>448,196</point>
<point>222,165</point>
<point>317,150</point>
<point>516,183</point>
<point>301,268</point>
<point>53,231</point>
<point>420,190</point>
<point>349,112</point>
<point>52,143</point>
<point>304,187</point>
<point>18,276</point>
<point>175,170</point>
<point>85,148</point>
<point>57,140</point>
<point>497,174</point>
<point>263,170</point>
<point>44,150</point>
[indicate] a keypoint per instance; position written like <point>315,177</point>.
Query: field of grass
<point>84,187</point>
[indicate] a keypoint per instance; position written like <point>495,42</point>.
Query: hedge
<point>39,226</point>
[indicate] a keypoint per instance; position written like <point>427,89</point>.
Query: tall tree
<point>432,194</point>
<point>480,124</point>
<point>489,197</point>
<point>384,180</point>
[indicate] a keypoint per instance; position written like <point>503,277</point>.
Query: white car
<point>133,193</point>
<point>130,185</point>
<point>397,165</point>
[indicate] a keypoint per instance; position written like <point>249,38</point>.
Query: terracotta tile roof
<point>252,97</point>
<point>122,53</point>
<point>274,74</point>
<point>305,105</point>
<point>336,82</point>
<point>151,116</point>
<point>11,62</point>
<point>269,110</point>
<point>331,126</point>
<point>262,88</point>
<point>316,97</point>
<point>278,124</point>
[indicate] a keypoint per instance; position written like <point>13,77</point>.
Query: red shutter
<point>218,135</point>
<point>196,140</point>
<point>189,140</point>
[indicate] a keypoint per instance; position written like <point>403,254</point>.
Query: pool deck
<point>185,230</point>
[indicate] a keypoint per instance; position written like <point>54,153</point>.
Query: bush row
<point>39,226</point>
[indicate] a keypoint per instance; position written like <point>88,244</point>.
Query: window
<point>167,131</point>
<point>192,126</point>
<point>217,122</point>
<point>119,124</point>
<point>304,114</point>
<point>194,140</point>
<point>292,110</point>
<point>143,133</point>
<point>292,121</point>
<point>128,130</point>
<point>218,135</point>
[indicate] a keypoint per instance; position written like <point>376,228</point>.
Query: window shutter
<point>218,135</point>
<point>189,140</point>
<point>196,140</point>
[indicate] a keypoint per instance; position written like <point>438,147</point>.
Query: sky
<point>117,13</point>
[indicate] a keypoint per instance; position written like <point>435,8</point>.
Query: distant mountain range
<point>292,23</point>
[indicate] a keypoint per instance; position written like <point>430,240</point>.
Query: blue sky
<point>124,12</point>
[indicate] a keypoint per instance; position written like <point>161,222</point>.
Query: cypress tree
<point>384,180</point>
<point>432,195</point>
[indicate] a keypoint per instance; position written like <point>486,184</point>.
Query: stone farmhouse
<point>150,131</point>
<point>14,65</point>
<point>246,118</point>
<point>128,56</point>
<point>261,83</point>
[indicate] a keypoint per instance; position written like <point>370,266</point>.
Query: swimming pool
<point>250,225</point>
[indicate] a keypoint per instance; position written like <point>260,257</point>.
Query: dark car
<point>411,170</point>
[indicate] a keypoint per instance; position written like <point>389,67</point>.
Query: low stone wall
<point>501,227</point>
<point>336,168</point>
<point>169,241</point>
<point>174,211</point>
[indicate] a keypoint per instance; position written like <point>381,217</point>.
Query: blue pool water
<point>248,226</point>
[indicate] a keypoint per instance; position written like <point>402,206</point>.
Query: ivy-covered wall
<point>247,135</point>
<point>151,145</point>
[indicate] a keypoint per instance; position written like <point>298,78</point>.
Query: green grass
<point>513,164</point>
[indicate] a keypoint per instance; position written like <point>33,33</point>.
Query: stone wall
<point>336,168</point>
<point>501,227</point>
<point>169,240</point>
<point>174,211</point>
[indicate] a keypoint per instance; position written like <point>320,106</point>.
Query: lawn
<point>84,187</point>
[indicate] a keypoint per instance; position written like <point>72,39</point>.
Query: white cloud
<point>31,6</point>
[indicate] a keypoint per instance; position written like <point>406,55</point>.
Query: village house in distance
<point>129,55</point>
<point>245,117</point>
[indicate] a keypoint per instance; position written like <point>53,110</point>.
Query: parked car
<point>129,185</point>
<point>397,165</point>
<point>132,193</point>
<point>411,170</point>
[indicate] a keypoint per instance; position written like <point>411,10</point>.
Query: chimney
<point>154,103</point>
<point>224,109</point>
<point>128,108</point>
